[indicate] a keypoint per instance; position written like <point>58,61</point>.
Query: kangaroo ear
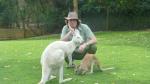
<point>74,34</point>
<point>76,66</point>
<point>77,31</point>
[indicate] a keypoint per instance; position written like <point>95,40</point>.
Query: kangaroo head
<point>77,39</point>
<point>80,70</point>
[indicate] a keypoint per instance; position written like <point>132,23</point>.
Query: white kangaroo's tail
<point>105,69</point>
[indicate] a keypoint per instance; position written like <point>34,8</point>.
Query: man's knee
<point>92,49</point>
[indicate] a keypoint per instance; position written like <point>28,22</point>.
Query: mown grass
<point>128,52</point>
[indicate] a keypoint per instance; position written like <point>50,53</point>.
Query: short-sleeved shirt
<point>84,30</point>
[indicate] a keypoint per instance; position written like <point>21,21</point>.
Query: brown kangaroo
<point>87,65</point>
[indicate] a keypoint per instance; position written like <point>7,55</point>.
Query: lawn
<point>128,52</point>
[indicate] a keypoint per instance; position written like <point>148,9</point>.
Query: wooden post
<point>75,5</point>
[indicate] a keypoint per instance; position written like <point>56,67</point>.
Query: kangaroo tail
<point>105,69</point>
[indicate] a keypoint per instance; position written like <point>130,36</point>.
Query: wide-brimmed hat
<point>72,15</point>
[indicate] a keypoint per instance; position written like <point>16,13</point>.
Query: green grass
<point>128,52</point>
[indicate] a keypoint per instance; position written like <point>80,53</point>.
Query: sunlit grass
<point>128,52</point>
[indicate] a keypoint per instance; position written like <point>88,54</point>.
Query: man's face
<point>72,23</point>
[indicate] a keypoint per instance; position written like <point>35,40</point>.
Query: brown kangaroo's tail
<point>109,68</point>
<point>97,63</point>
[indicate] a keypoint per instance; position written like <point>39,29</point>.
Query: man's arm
<point>66,37</point>
<point>91,41</point>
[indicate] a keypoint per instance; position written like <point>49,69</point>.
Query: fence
<point>19,33</point>
<point>99,22</point>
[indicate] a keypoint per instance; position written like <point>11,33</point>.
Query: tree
<point>75,5</point>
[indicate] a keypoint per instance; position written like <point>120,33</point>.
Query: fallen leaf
<point>5,78</point>
<point>81,81</point>
<point>29,53</point>
<point>114,73</point>
<point>133,74</point>
<point>7,66</point>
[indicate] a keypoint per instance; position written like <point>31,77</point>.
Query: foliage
<point>91,6</point>
<point>7,12</point>
<point>38,12</point>
<point>132,7</point>
<point>126,7</point>
<point>49,14</point>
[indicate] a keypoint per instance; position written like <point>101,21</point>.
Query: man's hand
<point>71,29</point>
<point>82,47</point>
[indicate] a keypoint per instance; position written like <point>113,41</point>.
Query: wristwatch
<point>87,43</point>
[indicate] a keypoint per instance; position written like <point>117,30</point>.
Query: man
<point>88,46</point>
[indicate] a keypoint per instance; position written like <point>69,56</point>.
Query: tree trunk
<point>75,5</point>
<point>21,11</point>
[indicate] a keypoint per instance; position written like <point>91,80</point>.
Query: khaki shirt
<point>84,30</point>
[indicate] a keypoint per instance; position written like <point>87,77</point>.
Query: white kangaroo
<point>52,59</point>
